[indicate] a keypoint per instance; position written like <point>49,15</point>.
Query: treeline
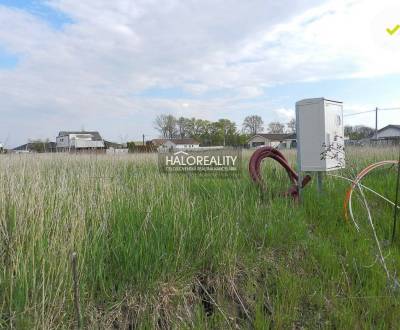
<point>358,132</point>
<point>221,132</point>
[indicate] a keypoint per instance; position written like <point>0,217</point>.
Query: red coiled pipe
<point>269,152</point>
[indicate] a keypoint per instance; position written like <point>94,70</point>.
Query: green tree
<point>38,145</point>
<point>358,132</point>
<point>131,146</point>
<point>225,131</point>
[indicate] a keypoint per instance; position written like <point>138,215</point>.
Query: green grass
<point>179,251</point>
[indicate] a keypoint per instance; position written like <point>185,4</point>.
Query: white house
<point>179,144</point>
<point>276,140</point>
<point>79,141</point>
<point>116,151</point>
<point>389,132</point>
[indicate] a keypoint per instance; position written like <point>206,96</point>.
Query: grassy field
<point>180,251</point>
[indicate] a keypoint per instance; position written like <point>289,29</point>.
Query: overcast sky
<point>112,66</point>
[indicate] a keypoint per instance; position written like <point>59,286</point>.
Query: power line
<point>357,113</point>
<point>367,111</point>
<point>388,109</point>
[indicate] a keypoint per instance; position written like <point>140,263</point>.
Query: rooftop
<point>276,136</point>
<point>95,135</point>
<point>390,126</point>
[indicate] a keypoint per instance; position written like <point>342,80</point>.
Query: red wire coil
<point>268,152</point>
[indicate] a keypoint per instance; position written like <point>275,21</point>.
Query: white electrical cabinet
<point>320,135</point>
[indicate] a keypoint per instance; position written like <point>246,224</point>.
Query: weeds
<point>175,251</point>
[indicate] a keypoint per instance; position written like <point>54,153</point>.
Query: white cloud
<point>224,53</point>
<point>284,115</point>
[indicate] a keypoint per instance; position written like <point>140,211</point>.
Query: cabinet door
<point>334,136</point>
<point>310,137</point>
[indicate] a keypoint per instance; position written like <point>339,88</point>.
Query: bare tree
<point>276,127</point>
<point>159,125</point>
<point>253,124</point>
<point>291,126</point>
<point>183,125</point>
<point>166,125</point>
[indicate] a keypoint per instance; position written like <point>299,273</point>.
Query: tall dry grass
<point>158,250</point>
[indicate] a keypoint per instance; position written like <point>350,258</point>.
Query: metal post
<point>396,199</point>
<point>143,139</point>
<point>299,187</point>
<point>376,123</point>
<point>300,177</point>
<point>319,182</point>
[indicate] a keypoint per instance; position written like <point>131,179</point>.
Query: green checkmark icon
<point>394,30</point>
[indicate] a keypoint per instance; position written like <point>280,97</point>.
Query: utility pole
<point>143,139</point>
<point>376,123</point>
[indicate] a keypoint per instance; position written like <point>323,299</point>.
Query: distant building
<point>118,151</point>
<point>388,135</point>
<point>36,146</point>
<point>113,148</point>
<point>79,141</point>
<point>114,145</point>
<point>179,144</point>
<point>276,140</point>
<point>389,132</point>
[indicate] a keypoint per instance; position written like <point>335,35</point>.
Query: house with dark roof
<point>389,133</point>
<point>79,141</point>
<point>36,146</point>
<point>276,140</point>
